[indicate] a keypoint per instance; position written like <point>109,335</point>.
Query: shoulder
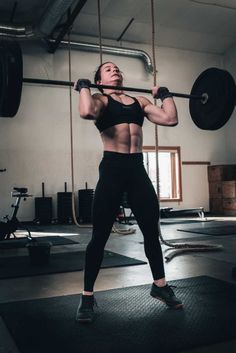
<point>100,99</point>
<point>99,96</point>
<point>143,101</point>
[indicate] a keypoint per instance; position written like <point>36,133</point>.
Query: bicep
<point>153,112</point>
<point>98,107</point>
<point>93,107</point>
<point>90,107</point>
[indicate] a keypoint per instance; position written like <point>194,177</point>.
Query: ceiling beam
<point>67,27</point>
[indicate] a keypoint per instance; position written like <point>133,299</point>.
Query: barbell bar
<point>119,88</point>
<point>211,100</point>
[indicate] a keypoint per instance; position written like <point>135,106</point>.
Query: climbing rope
<point>181,247</point>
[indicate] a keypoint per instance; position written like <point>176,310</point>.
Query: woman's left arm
<point>165,115</point>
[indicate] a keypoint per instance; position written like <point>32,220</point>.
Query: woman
<point>119,118</point>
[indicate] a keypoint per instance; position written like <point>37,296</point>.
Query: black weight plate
<point>11,72</point>
<point>208,81</point>
<point>230,96</point>
<point>220,87</point>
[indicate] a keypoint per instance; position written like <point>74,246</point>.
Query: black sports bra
<point>117,113</point>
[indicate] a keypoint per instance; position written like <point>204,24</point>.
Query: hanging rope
<point>72,143</point>
<point>71,138</point>
<point>100,31</point>
<point>181,247</point>
<point>155,101</point>
<point>114,229</point>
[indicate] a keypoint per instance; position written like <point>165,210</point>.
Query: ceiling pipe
<point>17,32</point>
<point>49,20</point>
<point>25,33</point>
<point>135,53</point>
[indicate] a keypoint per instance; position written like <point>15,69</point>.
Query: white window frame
<point>175,185</point>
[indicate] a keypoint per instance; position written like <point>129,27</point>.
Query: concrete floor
<point>215,264</point>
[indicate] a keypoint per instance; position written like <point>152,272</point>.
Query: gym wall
<point>35,145</point>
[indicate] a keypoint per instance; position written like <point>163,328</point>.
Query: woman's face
<point>110,74</point>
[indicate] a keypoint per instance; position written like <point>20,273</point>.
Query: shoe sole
<point>84,321</point>
<point>177,306</point>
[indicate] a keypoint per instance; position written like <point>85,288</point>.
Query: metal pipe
<point>136,53</point>
<point>21,32</point>
<point>119,88</point>
<point>26,32</point>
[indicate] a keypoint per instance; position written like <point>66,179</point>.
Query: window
<point>169,171</point>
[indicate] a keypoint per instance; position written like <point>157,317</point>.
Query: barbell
<point>211,100</point>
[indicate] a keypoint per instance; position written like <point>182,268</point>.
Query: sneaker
<point>85,312</point>
<point>166,295</point>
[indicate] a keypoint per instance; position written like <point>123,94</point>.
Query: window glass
<point>169,171</point>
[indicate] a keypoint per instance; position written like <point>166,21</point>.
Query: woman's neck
<point>109,92</point>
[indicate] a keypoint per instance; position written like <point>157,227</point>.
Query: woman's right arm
<point>90,106</point>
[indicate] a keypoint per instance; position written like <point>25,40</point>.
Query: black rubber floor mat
<point>19,266</point>
<point>21,242</point>
<point>127,320</point>
<point>217,231</point>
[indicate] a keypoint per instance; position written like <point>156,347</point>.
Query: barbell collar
<point>205,98</point>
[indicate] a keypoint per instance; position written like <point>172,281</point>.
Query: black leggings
<point>121,173</point>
